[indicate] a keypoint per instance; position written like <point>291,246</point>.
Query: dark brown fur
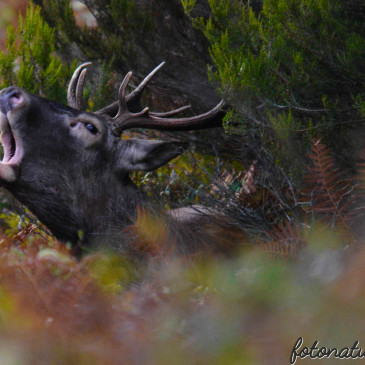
<point>71,169</point>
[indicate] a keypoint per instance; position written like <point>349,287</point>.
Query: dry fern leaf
<point>328,192</point>
<point>287,240</point>
<point>357,213</point>
<point>243,183</point>
<point>361,169</point>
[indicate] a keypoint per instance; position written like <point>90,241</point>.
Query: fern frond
<point>287,240</point>
<point>329,193</point>
<point>361,168</point>
<point>357,212</point>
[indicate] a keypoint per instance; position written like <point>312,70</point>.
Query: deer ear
<point>148,155</point>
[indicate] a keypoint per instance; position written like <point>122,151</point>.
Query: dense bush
<point>291,71</point>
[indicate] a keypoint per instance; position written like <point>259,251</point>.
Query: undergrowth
<point>247,309</point>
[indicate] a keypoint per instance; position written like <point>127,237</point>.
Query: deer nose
<point>9,99</point>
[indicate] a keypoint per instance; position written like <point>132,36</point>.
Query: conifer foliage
<point>292,68</point>
<point>30,61</point>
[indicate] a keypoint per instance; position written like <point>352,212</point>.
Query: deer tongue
<point>13,151</point>
<point>9,145</point>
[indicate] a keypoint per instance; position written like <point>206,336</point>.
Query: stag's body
<point>71,168</point>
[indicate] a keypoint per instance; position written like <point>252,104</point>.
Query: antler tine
<point>137,92</point>
<point>210,119</point>
<point>121,95</point>
<point>76,87</point>
<point>134,96</point>
<point>171,112</point>
<point>123,112</point>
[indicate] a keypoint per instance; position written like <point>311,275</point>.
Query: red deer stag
<point>71,168</point>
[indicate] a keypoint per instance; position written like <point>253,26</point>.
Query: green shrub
<point>294,68</point>
<point>30,60</point>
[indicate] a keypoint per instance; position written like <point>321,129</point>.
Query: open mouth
<point>11,145</point>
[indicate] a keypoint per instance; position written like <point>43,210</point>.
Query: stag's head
<point>71,167</point>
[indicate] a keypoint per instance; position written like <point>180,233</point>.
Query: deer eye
<point>91,128</point>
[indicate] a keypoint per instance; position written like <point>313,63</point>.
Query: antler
<point>76,87</point>
<point>134,98</point>
<point>127,110</point>
<point>125,119</point>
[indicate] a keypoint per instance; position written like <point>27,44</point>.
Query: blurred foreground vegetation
<point>293,74</point>
<point>250,309</point>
